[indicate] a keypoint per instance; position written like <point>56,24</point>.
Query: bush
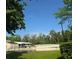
<point>66,50</point>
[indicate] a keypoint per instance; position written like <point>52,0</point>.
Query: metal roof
<point>23,43</point>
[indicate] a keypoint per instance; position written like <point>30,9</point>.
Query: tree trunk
<point>62,30</point>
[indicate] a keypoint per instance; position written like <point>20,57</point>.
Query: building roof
<point>23,43</point>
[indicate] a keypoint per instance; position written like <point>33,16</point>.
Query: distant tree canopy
<point>14,15</point>
<point>52,38</point>
<point>13,38</point>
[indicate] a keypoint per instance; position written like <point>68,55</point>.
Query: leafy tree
<point>33,39</point>
<point>65,14</point>
<point>59,37</point>
<point>26,38</point>
<point>53,36</point>
<point>18,38</point>
<point>47,39</point>
<point>68,34</point>
<point>13,38</point>
<point>14,15</point>
<point>41,39</point>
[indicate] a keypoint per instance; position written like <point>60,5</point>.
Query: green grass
<point>34,55</point>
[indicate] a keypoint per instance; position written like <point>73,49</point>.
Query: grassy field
<point>33,55</point>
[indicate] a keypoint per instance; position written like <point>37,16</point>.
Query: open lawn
<point>33,55</point>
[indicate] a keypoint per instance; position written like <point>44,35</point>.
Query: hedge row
<point>66,50</point>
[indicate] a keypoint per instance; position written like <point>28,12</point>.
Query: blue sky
<point>39,17</point>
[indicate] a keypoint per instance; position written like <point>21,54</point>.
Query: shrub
<point>66,50</point>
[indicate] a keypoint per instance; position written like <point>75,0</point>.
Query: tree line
<point>52,38</point>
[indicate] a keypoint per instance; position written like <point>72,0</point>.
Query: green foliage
<point>66,12</point>
<point>33,39</point>
<point>41,38</point>
<point>66,50</point>
<point>26,38</point>
<point>52,38</point>
<point>56,37</point>
<point>13,38</point>
<point>14,15</point>
<point>68,35</point>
